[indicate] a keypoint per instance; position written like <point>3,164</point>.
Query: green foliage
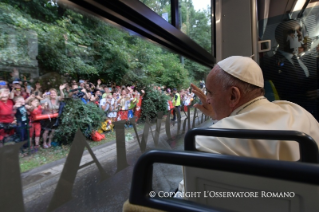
<point>197,25</point>
<point>196,71</point>
<point>38,9</point>
<point>174,75</point>
<point>79,44</point>
<point>77,115</point>
<point>153,102</point>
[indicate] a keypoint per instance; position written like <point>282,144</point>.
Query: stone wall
<point>19,50</point>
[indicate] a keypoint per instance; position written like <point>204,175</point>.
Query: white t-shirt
<point>102,103</point>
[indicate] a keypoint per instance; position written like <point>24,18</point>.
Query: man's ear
<point>235,96</point>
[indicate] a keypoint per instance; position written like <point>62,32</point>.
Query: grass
<point>44,156</point>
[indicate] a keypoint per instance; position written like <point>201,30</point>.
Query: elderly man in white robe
<point>235,100</point>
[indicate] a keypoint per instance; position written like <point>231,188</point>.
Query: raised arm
<point>30,97</point>
<point>11,95</point>
<point>61,90</point>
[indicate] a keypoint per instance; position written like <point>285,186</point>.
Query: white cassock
<point>262,115</point>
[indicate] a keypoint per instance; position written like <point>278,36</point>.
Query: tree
<point>80,44</point>
<point>197,25</point>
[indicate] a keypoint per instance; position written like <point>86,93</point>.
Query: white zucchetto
<point>243,68</point>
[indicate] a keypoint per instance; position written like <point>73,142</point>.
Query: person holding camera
<point>16,89</point>
<point>76,92</point>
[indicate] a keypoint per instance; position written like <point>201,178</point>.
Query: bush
<point>77,115</point>
<point>153,102</point>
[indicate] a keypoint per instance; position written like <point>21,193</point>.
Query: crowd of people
<point>24,107</point>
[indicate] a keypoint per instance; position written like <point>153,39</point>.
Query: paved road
<point>91,195</point>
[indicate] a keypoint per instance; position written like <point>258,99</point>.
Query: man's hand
<point>206,108</point>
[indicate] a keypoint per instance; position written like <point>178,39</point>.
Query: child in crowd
<point>21,117</point>
<point>35,109</point>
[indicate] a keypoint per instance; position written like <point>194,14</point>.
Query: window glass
<point>291,67</point>
<point>70,84</point>
<point>196,21</point>
<point>195,18</point>
<point>161,7</point>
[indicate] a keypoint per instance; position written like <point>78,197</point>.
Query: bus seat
<point>128,207</point>
<point>298,178</point>
<point>308,148</point>
<point>196,179</point>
